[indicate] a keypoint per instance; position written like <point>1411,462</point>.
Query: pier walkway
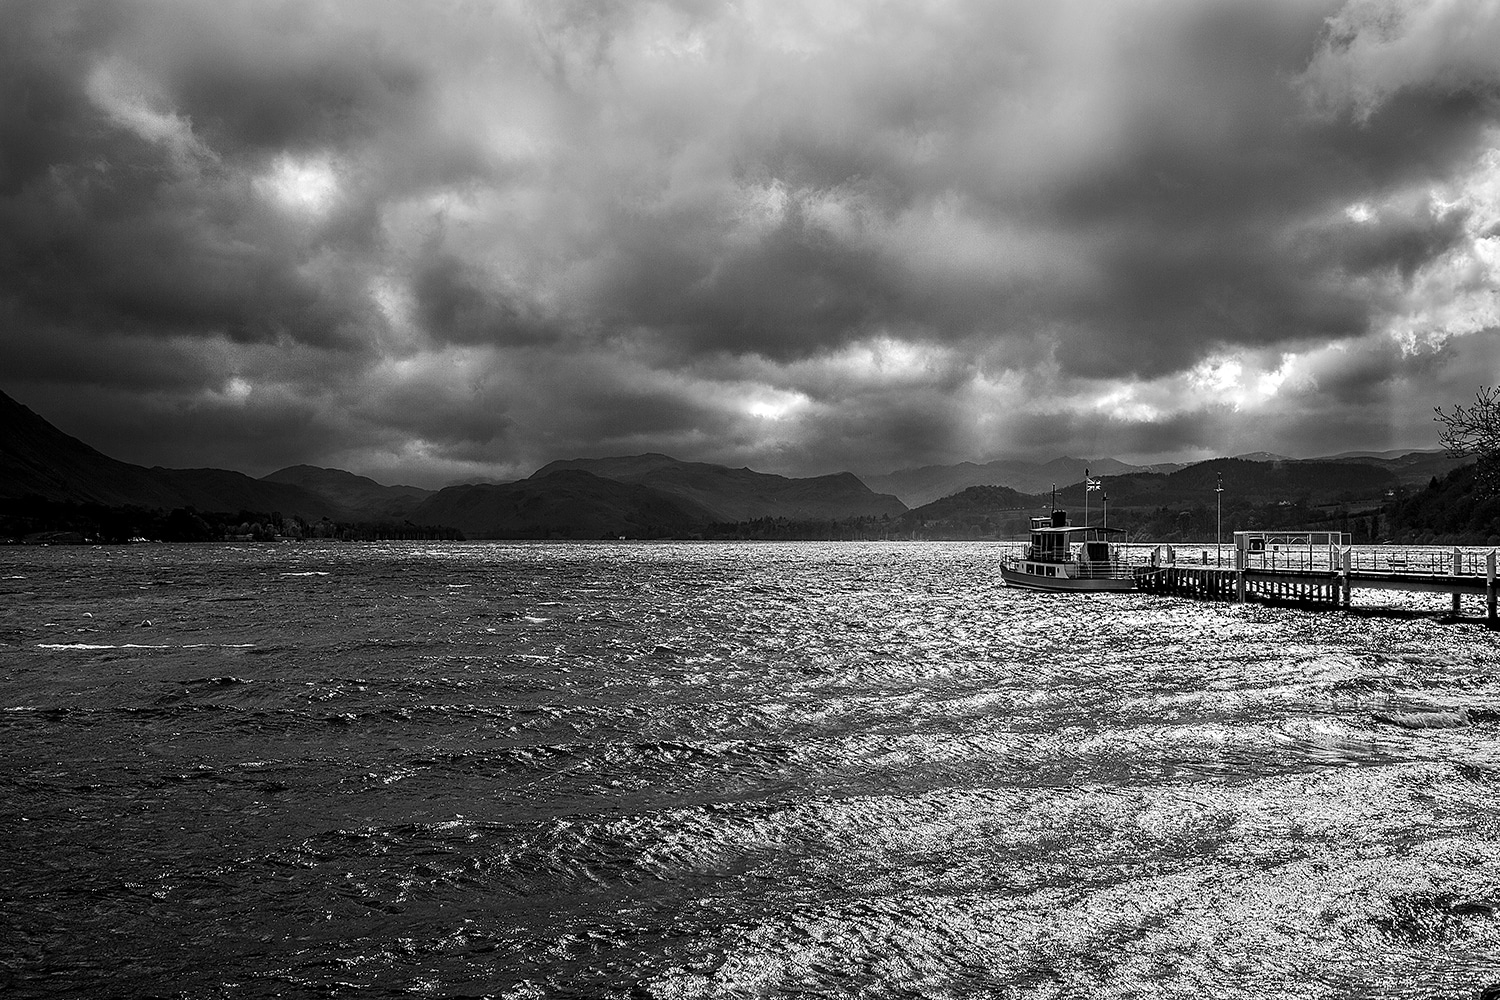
<point>1321,569</point>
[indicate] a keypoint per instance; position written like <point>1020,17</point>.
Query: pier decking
<point>1321,569</point>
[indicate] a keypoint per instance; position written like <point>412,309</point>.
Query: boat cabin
<point>1052,541</point>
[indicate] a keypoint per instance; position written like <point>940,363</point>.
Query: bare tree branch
<point>1474,430</point>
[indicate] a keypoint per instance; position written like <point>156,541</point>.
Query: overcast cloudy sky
<point>434,241</point>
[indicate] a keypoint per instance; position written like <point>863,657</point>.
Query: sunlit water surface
<point>725,770</point>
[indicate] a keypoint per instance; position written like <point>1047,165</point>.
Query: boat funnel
<point>1059,519</point>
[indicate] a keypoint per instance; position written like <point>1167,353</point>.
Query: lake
<point>685,770</point>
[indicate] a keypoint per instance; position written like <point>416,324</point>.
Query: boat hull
<point>1065,584</point>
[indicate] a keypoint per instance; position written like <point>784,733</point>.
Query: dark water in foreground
<point>724,771</point>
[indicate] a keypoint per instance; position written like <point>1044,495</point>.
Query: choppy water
<point>727,770</point>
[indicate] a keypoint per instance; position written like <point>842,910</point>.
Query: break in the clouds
<point>437,241</point>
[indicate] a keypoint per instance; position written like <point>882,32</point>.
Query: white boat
<point>1051,561</point>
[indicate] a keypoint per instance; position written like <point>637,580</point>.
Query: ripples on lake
<point>725,771</point>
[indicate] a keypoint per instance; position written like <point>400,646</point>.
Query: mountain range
<point>919,486</point>
<point>638,496</point>
<point>655,495</point>
<point>729,495</point>
<point>923,485</point>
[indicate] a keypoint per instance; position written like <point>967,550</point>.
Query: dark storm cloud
<point>112,251</point>
<point>60,354</point>
<point>474,237</point>
<point>1051,436</point>
<point>1211,227</point>
<point>120,215</point>
<point>458,304</point>
<point>272,88</point>
<point>718,297</point>
<point>461,424</point>
<point>1402,242</point>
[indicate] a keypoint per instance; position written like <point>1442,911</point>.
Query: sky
<point>438,242</point>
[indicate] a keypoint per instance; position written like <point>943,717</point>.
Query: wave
<point>145,645</point>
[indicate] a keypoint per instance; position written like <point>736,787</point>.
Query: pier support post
<point>1489,585</point>
<point>1239,573</point>
<point>1348,564</point>
<point>1458,558</point>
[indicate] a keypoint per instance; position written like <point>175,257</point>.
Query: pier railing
<point>1316,570</point>
<point>1429,561</point>
<point>1324,574</point>
<point>1432,562</point>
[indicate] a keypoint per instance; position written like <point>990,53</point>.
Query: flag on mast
<point>1089,482</point>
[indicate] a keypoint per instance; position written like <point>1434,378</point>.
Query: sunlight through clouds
<point>773,404</point>
<point>308,185</point>
<point>1126,404</point>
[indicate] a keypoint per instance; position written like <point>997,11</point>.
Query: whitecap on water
<point>142,645</point>
<point>100,645</point>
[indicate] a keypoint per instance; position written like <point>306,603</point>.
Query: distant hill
<point>37,459</point>
<point>976,500</point>
<point>1463,506</point>
<point>1411,468</point>
<point>1390,455</point>
<point>222,489</point>
<point>1178,504</point>
<point>733,495</point>
<point>916,487</point>
<point>564,503</point>
<point>1243,480</point>
<point>361,498</point>
<point>977,512</point>
<point>923,485</point>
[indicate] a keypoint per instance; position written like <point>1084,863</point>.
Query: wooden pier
<point>1321,570</point>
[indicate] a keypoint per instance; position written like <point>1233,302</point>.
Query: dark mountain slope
<point>222,489</point>
<point>1462,506</point>
<point>931,482</point>
<point>1244,480</point>
<point>977,512</point>
<point>733,495</point>
<point>361,498</point>
<point>977,500</point>
<point>37,459</point>
<point>567,503</point>
<point>1412,468</point>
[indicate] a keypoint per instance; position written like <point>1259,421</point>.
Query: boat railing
<point>1101,569</point>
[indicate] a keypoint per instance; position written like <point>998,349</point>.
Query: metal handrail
<point>1098,569</point>
<point>1368,559</point>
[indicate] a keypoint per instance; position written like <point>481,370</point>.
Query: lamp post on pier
<point>1219,535</point>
